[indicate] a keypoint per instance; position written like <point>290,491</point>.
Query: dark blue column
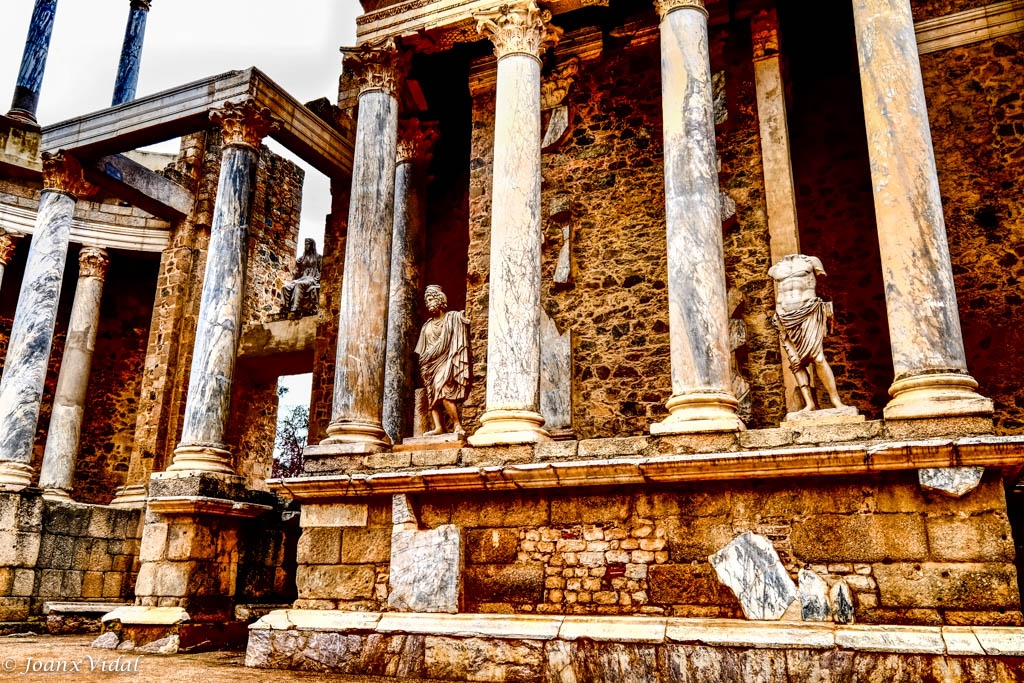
<point>33,61</point>
<point>131,53</point>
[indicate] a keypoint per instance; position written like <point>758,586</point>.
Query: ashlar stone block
<point>426,570</point>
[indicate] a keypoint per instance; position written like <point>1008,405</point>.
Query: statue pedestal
<point>431,443</point>
<point>827,416</point>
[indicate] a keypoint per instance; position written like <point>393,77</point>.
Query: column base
<point>130,496</point>
<point>509,427</point>
<point>705,411</point>
<point>367,434</point>
<point>212,459</point>
<point>57,495</point>
<point>14,476</point>
<point>938,395</point>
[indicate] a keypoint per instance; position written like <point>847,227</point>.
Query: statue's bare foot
<point>836,403</point>
<point>434,432</point>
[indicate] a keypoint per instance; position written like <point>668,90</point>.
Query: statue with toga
<point>802,320</point>
<point>300,295</point>
<point>443,352</point>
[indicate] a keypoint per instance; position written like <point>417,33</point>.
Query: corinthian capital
<point>141,4</point>
<point>245,123</point>
<point>518,28</point>
<point>62,173</point>
<point>377,66</point>
<point>415,140</point>
<point>764,26</point>
<point>93,262</point>
<point>664,7</point>
<point>7,245</point>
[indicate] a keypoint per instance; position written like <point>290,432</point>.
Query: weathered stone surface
<point>366,546</point>
<point>107,641</point>
<point>319,545</point>
<point>334,515</point>
<point>974,538</point>
<point>750,567</point>
<point>841,600</point>
<point>960,585</point>
<point>335,582</point>
<point>492,546</point>
<point>951,481</point>
<point>860,538</point>
<point>687,584</point>
<point>516,583</point>
<point>814,602</point>
<point>478,659</point>
<point>426,570</point>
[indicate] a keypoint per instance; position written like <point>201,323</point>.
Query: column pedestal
<point>702,399</point>
<point>924,323</point>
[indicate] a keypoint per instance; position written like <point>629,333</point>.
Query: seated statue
<point>443,351</point>
<point>301,294</point>
<point>803,319</point>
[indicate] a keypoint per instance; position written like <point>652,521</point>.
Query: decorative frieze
<point>664,7</point>
<point>518,28</point>
<point>416,140</point>
<point>246,123</point>
<point>377,66</point>
<point>62,173</point>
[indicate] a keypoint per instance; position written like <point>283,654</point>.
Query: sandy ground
<point>52,658</point>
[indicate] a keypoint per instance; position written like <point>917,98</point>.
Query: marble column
<point>356,418</point>
<point>58,470</point>
<point>131,53</point>
<point>202,447</point>
<point>702,398</point>
<point>924,323</point>
<point>408,240</point>
<point>776,160</point>
<point>33,61</point>
<point>520,32</point>
<point>28,348</point>
<point>7,245</point>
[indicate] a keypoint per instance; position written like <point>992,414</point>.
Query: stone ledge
<point>853,459</point>
<point>198,505</point>
<point>931,640</point>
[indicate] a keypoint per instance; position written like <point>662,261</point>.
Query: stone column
<point>7,245</point>
<point>408,240</point>
<point>28,349</point>
<point>58,470</point>
<point>780,189</point>
<point>702,399</point>
<point>33,62</point>
<point>131,53</point>
<point>202,447</point>
<point>362,335</point>
<point>924,323</point>
<point>520,32</point>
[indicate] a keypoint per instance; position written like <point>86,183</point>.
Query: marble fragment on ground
<point>956,482</point>
<point>426,570</point>
<point>751,568</point>
<point>813,591</point>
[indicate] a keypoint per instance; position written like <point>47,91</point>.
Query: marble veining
<point>131,55</point>
<point>33,60</point>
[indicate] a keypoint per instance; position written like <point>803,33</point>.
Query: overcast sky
<point>295,43</point>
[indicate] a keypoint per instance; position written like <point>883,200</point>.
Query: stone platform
<point>568,649</point>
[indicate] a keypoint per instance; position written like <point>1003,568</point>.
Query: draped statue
<point>443,351</point>
<point>301,294</point>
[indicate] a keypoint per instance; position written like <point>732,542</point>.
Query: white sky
<point>294,42</point>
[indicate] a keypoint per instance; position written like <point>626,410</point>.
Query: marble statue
<point>300,295</point>
<point>443,352</point>
<point>803,319</point>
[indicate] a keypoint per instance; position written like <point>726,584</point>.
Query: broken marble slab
<point>955,482</point>
<point>751,568</point>
<point>813,592</point>
<point>426,570</point>
<point>842,603</point>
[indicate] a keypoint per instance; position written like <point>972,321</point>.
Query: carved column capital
<point>143,5</point>
<point>246,123</point>
<point>62,173</point>
<point>665,7</point>
<point>764,27</point>
<point>377,66</point>
<point>7,244</point>
<point>416,140</point>
<point>518,28</point>
<point>93,262</point>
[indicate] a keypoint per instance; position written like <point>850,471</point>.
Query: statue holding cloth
<point>443,351</point>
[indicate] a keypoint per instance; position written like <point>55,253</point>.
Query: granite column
<point>702,398</point>
<point>408,241</point>
<point>131,53</point>
<point>520,32</point>
<point>58,470</point>
<point>7,245</point>
<point>931,377</point>
<point>202,447</point>
<point>28,348</point>
<point>33,62</point>
<point>356,420</point>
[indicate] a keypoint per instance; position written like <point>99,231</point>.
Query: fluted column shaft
<point>356,420</point>
<point>28,349</point>
<point>408,241</point>
<point>207,406</point>
<point>520,33</point>
<point>7,244</point>
<point>702,398</point>
<point>131,53</point>
<point>57,473</point>
<point>33,61</point>
<point>924,322</point>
